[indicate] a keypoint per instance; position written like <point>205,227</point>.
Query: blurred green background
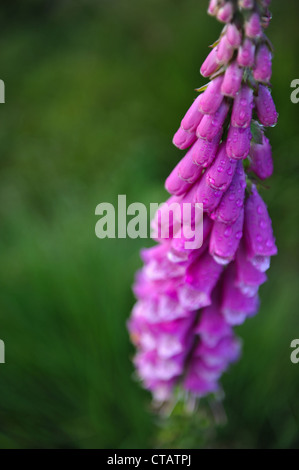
<point>94,92</point>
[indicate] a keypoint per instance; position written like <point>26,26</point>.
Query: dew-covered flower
<point>263,64</point>
<point>190,299</point>
<point>246,53</point>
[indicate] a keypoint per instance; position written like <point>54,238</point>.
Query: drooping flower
<point>190,298</point>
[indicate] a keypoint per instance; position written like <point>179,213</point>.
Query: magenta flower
<point>261,158</point>
<point>224,51</point>
<point>212,124</point>
<point>225,12</point>
<point>246,53</point>
<point>232,80</point>
<point>190,299</point>
<point>220,174</point>
<point>212,97</point>
<point>233,35</point>
<point>183,139</point>
<point>242,108</point>
<point>225,239</point>
<point>263,64</point>
<point>265,107</point>
<point>238,142</point>
<point>192,117</point>
<point>253,27</point>
<point>204,150</point>
<point>211,64</point>
<point>232,202</point>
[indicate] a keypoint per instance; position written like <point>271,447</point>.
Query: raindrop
<point>263,224</point>
<point>227,232</point>
<point>259,209</point>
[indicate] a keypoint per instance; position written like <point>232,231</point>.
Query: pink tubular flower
<point>213,7</point>
<point>259,237</point>
<point>224,51</point>
<point>236,306</point>
<point>238,142</point>
<point>193,116</point>
<point>204,151</point>
<point>221,172</point>
<point>261,162</point>
<point>212,326</point>
<point>246,52</point>
<point>211,98</point>
<point>212,124</point>
<point>233,35</point>
<point>208,364</point>
<point>178,252</point>
<point>201,277</point>
<point>225,239</point>
<point>265,107</point>
<point>217,357</point>
<point>253,26</point>
<point>189,298</point>
<point>225,13</point>
<point>263,64</point>
<point>183,176</point>
<point>242,109</point>
<point>183,139</point>
<point>232,80</point>
<point>232,201</point>
<point>248,278</point>
<point>207,196</point>
<point>211,64</point>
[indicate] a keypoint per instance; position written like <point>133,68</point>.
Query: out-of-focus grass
<point>94,92</point>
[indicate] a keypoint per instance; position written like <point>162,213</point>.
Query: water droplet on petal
<point>239,235</point>
<point>262,224</point>
<point>228,231</point>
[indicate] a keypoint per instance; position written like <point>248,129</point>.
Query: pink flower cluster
<point>189,300</point>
